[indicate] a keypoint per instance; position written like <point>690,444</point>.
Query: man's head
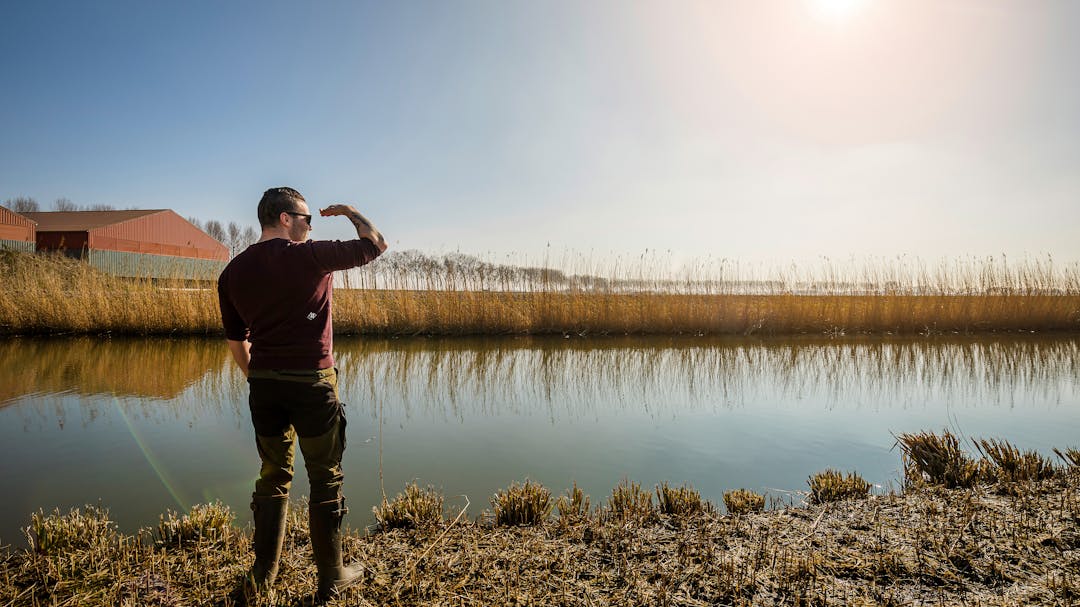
<point>285,208</point>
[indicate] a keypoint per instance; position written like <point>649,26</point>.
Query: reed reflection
<point>148,368</point>
<point>580,377</point>
<point>166,380</point>
<point>44,376</point>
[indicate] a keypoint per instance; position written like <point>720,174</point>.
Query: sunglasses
<point>306,216</point>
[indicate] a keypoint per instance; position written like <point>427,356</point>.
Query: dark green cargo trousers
<point>290,406</point>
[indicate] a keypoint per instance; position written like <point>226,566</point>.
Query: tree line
<point>25,204</point>
<point>232,235</point>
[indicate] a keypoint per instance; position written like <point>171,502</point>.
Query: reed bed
<point>974,545</point>
<point>414,294</point>
<point>48,294</point>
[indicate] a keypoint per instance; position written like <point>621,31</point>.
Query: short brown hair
<point>276,201</point>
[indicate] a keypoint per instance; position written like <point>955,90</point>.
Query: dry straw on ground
<point>976,545</point>
<point>422,295</point>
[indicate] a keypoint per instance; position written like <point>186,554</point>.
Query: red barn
<point>154,243</point>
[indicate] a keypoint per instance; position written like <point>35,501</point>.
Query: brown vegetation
<point>416,508</point>
<point>834,486</point>
<point>743,501</point>
<point>54,294</point>
<point>49,294</point>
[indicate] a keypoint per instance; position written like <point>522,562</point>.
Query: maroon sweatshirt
<point>277,295</point>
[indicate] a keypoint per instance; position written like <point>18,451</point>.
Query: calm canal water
<point>146,425</point>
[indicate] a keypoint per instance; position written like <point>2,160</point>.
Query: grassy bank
<point>1000,529</point>
<point>54,294</point>
<point>47,294</point>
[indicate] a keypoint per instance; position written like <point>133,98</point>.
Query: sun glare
<point>836,11</point>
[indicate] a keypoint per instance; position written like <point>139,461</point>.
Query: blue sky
<point>758,131</point>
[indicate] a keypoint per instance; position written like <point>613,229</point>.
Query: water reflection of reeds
<point>82,379</point>
<point>556,378</point>
<point>157,368</point>
<point>583,377</point>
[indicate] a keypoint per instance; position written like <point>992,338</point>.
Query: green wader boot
<point>325,521</point>
<point>269,534</point>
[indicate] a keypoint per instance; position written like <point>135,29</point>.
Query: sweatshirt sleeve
<point>235,328</point>
<point>332,255</point>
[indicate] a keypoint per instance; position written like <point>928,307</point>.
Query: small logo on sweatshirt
<point>311,315</point>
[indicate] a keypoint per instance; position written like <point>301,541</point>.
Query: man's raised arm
<point>364,227</point>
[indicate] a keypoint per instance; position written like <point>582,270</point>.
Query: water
<point>145,425</point>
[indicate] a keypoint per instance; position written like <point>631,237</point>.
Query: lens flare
<point>151,459</point>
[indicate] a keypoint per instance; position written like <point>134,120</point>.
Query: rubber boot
<point>269,534</point>
<point>270,515</point>
<point>325,521</point>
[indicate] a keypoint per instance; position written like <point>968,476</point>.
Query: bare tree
<point>101,207</point>
<point>249,237</point>
<point>234,238</point>
<point>216,231</point>
<point>195,221</point>
<point>64,204</point>
<point>22,204</point>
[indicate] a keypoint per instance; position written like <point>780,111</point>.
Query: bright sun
<point>836,10</point>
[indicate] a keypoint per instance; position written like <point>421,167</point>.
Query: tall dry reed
<point>411,294</point>
<point>54,294</point>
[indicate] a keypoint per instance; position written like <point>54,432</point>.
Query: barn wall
<point>15,227</point>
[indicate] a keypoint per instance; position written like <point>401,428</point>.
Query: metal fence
<point>17,245</point>
<point>143,265</point>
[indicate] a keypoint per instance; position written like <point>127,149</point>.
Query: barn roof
<point>79,221</point>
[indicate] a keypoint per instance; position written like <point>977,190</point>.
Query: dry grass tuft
<point>629,502</point>
<point>743,501</point>
<point>1010,465</point>
<point>574,506</point>
<point>416,508</point>
<point>937,460</point>
<point>522,505</point>
<point>1070,456</point>
<point>204,523</point>
<point>834,486</point>
<point>78,529</point>
<point>682,501</point>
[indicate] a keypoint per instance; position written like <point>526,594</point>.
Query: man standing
<point>275,305</point>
